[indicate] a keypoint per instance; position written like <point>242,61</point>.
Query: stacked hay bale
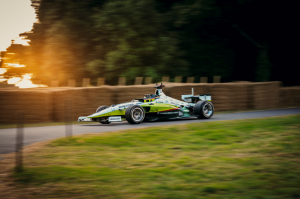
<point>50,104</point>
<point>35,104</point>
<point>230,96</point>
<point>289,97</point>
<point>79,101</point>
<point>221,96</point>
<point>176,90</point>
<point>59,97</point>
<point>220,93</point>
<point>265,95</point>
<point>240,95</point>
<point>124,94</point>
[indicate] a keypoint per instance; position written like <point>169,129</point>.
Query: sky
<point>16,16</point>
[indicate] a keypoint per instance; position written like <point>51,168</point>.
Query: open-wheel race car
<point>154,107</point>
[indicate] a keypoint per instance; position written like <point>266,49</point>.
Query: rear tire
<point>204,109</point>
<point>103,121</point>
<point>135,114</point>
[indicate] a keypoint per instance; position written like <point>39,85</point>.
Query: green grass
<point>251,159</point>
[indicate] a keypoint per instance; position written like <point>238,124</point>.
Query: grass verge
<point>251,159</point>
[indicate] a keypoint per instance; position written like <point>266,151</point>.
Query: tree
<point>106,38</point>
<point>263,64</point>
<point>111,38</point>
<point>203,37</point>
<point>131,41</point>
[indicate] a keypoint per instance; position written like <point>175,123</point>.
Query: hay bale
<point>49,104</point>
<point>81,101</point>
<point>265,95</point>
<point>289,97</point>
<point>36,105</point>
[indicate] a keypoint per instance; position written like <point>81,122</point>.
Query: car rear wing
<point>194,98</point>
<point>206,97</point>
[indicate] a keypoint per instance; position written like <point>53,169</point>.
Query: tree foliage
<point>112,38</point>
<point>132,41</point>
<point>103,39</point>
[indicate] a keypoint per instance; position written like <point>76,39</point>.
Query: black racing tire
<point>204,109</point>
<point>135,114</point>
<point>104,121</point>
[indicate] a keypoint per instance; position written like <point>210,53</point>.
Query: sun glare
<point>2,70</point>
<point>27,83</point>
<point>13,80</point>
<point>22,82</point>
<point>13,65</point>
<point>2,79</point>
<point>21,40</point>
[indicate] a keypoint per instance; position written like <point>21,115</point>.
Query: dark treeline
<point>240,40</point>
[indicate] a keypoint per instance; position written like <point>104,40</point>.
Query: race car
<point>154,107</point>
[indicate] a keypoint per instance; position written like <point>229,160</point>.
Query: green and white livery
<point>154,107</point>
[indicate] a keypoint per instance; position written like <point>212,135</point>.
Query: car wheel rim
<point>137,114</point>
<point>104,120</point>
<point>207,110</point>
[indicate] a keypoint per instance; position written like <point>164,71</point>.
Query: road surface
<point>38,134</point>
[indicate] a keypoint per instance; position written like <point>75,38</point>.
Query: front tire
<point>103,121</point>
<point>204,109</point>
<point>135,114</point>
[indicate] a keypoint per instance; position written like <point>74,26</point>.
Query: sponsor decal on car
<point>115,119</point>
<point>167,113</point>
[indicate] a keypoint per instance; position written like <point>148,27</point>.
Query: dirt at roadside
<point>8,187</point>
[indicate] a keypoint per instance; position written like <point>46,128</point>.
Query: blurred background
<point>238,40</point>
<point>61,59</point>
<point>78,51</point>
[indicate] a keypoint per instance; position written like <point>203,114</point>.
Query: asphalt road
<point>38,134</point>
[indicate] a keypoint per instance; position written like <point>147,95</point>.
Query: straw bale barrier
<point>35,104</point>
<point>289,97</point>
<point>79,101</point>
<point>50,104</point>
<point>128,93</point>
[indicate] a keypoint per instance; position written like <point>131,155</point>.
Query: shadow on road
<point>147,122</point>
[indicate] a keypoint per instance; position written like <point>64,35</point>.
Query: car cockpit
<point>147,98</point>
<point>151,97</point>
